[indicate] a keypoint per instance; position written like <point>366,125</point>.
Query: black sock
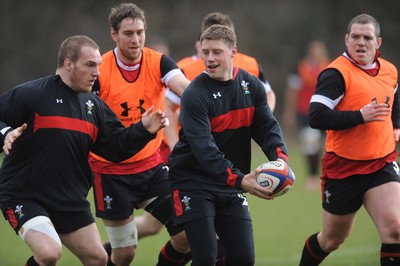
<point>221,253</point>
<point>31,262</point>
<point>390,254</point>
<point>312,252</point>
<point>107,247</point>
<point>169,256</point>
<point>188,257</point>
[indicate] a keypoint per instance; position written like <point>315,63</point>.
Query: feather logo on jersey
<point>18,211</point>
<point>89,105</point>
<point>186,202</point>
<point>108,201</point>
<point>245,86</point>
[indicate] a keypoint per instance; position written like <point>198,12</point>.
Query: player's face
<point>130,40</point>
<point>218,57</point>
<point>362,43</point>
<point>85,70</point>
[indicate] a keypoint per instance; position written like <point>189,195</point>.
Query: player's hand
<point>375,112</point>
<point>12,136</point>
<point>155,121</point>
<point>250,184</point>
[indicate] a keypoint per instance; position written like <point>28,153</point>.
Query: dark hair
<point>71,48</point>
<point>365,19</point>
<point>125,10</point>
<point>217,18</point>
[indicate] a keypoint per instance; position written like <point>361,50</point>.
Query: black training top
<point>219,119</point>
<point>49,161</point>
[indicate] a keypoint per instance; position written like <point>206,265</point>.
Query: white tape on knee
<point>41,224</point>
<point>123,236</point>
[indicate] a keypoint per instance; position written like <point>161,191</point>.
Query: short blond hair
<point>219,32</point>
<point>72,46</point>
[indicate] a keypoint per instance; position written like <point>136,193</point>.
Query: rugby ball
<point>277,176</point>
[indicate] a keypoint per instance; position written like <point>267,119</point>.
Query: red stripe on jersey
<point>231,181</point>
<point>65,123</point>
<point>123,168</point>
<point>235,72</point>
<point>232,120</point>
<point>177,203</point>
<point>282,155</point>
<point>390,254</point>
<point>11,218</point>
<point>98,192</point>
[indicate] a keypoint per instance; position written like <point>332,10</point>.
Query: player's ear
<point>234,51</point>
<point>379,42</point>
<point>114,34</point>
<point>67,63</point>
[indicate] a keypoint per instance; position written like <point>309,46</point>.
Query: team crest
<point>186,202</point>
<point>327,196</point>
<point>18,211</point>
<point>89,105</point>
<point>245,87</point>
<point>108,201</point>
<point>396,167</point>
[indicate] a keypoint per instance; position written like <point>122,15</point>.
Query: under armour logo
<point>126,109</point>
<point>218,94</point>
<point>140,107</point>
<point>387,99</point>
<point>59,101</point>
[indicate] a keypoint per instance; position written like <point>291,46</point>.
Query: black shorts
<point>64,222</point>
<point>345,196</point>
<point>116,196</point>
<point>191,205</point>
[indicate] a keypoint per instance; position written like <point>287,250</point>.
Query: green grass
<point>280,229</point>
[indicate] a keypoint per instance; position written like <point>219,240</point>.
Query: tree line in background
<point>275,32</point>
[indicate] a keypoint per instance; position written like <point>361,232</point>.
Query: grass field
<point>280,229</point>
